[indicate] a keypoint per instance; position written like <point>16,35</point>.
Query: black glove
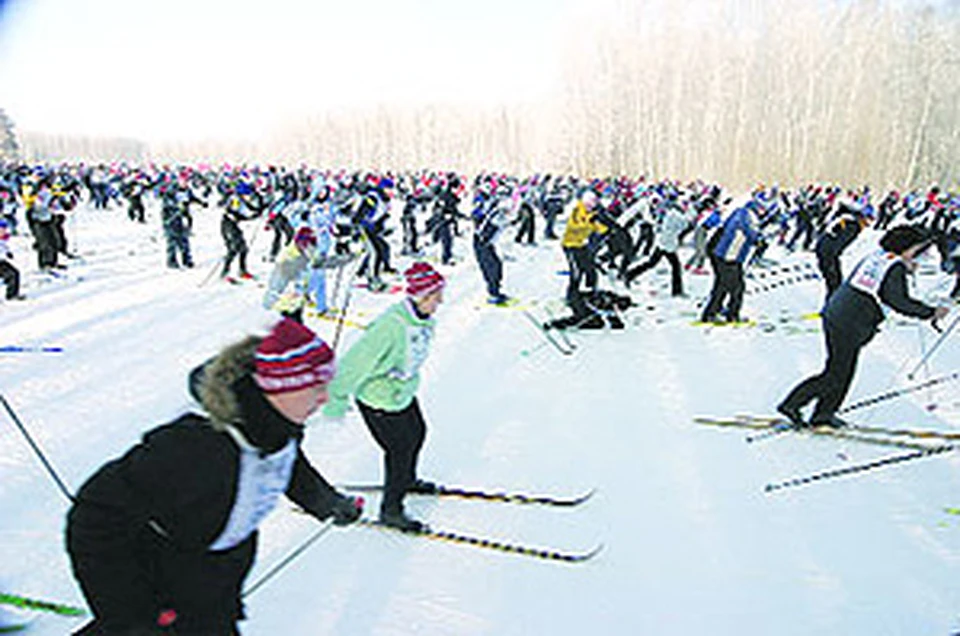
<point>347,510</point>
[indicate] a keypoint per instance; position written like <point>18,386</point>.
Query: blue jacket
<point>738,235</point>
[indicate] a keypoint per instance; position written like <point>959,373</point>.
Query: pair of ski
<point>546,554</point>
<point>917,451</point>
<point>561,342</point>
<point>876,435</point>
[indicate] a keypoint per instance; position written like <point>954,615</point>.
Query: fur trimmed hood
<point>216,390</point>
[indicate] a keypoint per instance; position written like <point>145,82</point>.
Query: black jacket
<point>139,531</point>
<point>858,315</point>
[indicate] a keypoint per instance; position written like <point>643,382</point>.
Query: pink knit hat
<point>422,279</point>
<point>291,358</point>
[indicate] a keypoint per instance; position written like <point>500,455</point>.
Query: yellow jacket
<point>580,226</point>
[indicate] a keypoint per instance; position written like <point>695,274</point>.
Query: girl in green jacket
<point>382,371</point>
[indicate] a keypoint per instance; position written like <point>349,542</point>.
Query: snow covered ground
<point>692,544</point>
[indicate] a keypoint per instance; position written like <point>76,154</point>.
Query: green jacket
<point>382,368</point>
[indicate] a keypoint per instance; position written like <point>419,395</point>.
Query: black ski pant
<point>400,434</point>
<point>178,242</point>
<point>11,278</point>
<point>282,235</point>
<point>236,246</point>
<point>409,226</point>
<point>580,265</point>
<point>830,386</point>
<point>829,266</point>
<point>490,265</point>
<point>676,281</point>
<point>45,242</point>
<point>727,284</point>
<point>527,230</point>
<point>136,211</point>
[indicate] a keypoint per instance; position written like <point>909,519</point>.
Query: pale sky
<point>187,69</point>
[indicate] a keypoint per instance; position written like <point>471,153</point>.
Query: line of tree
<point>737,91</point>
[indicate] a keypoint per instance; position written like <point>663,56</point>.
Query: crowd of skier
<point>622,227</point>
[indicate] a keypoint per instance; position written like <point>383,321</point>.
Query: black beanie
<point>902,238</point>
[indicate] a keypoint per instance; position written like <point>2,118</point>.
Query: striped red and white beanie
<point>422,279</point>
<point>291,357</point>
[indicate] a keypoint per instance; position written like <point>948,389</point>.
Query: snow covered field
<point>692,544</point>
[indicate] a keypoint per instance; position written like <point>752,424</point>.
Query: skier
<point>673,221</point>
<point>291,267</point>
<point>9,274</point>
<point>161,539</point>
<point>844,229</point>
<point>581,225</point>
<point>234,206</point>
<point>729,247</point>
<point>490,217</point>
<point>382,371</point>
<point>177,223</point>
<point>850,320</point>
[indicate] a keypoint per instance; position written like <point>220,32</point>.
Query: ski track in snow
<point>692,543</point>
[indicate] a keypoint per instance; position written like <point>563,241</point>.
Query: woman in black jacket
<point>851,318</point>
<point>162,538</point>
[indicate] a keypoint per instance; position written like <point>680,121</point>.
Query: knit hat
<point>422,279</point>
<point>291,358</point>
<point>903,237</point>
<point>305,237</point>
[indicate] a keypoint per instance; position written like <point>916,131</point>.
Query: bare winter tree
<point>9,147</point>
<point>739,91</point>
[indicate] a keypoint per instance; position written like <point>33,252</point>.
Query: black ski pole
<point>859,468</point>
<point>36,449</point>
<point>883,397</point>
<point>327,524</point>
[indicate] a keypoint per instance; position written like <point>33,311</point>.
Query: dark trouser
<point>409,225</point>
<point>645,238</point>
<point>11,278</point>
<point>727,283</point>
<point>550,217</point>
<point>526,231</point>
<point>60,235</point>
<point>178,242</point>
<point>236,246</point>
<point>830,270</point>
<point>580,264</point>
<point>282,235</point>
<point>400,434</point>
<point>830,386</point>
<point>444,235</point>
<point>45,242</point>
<point>676,282</point>
<point>490,265</point>
<point>136,211</point>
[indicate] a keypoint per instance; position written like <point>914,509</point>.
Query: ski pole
<point>897,393</point>
<point>859,468</point>
<point>933,349</point>
<point>327,524</point>
<point>36,449</point>
<point>319,532</point>
<point>344,309</point>
<point>883,397</point>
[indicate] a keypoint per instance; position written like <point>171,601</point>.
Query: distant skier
<point>850,320</point>
<point>382,371</point>
<point>729,247</point>
<point>9,274</point>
